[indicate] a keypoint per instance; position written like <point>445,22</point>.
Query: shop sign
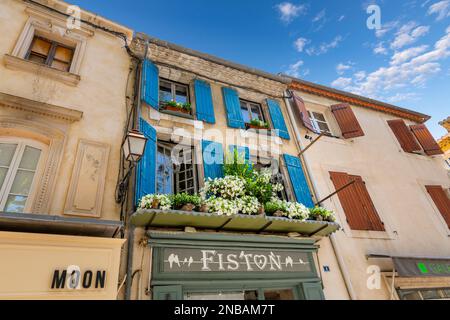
<point>410,267</point>
<point>228,260</point>
<point>73,278</point>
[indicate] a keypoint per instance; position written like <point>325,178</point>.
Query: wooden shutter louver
<point>347,121</point>
<point>404,136</point>
<point>441,200</point>
<point>426,140</point>
<point>356,202</point>
<point>304,117</point>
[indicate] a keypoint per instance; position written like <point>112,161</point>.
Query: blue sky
<point>406,62</point>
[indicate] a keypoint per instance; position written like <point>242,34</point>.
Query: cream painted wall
<point>395,181</point>
<point>100,95</point>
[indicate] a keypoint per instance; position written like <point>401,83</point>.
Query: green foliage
<point>186,106</point>
<point>236,165</point>
<point>180,199</point>
<point>271,207</point>
<point>319,213</point>
<point>259,123</point>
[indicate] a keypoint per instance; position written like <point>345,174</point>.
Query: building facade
<point>197,107</point>
<point>444,142</point>
<point>392,198</point>
<point>60,225</point>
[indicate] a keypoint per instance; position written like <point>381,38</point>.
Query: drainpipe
<point>334,244</point>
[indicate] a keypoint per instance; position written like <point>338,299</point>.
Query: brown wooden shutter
<point>350,203</point>
<point>371,212</point>
<point>441,201</point>
<point>347,121</point>
<point>304,117</point>
<point>426,140</point>
<point>356,202</point>
<point>404,136</point>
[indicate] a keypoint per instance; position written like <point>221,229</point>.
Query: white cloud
<point>289,11</point>
<point>380,49</point>
<point>385,28</point>
<point>341,68</point>
<point>324,47</point>
<point>408,34</point>
<point>300,44</point>
<point>341,82</point>
<point>295,69</point>
<point>360,75</point>
<point>399,97</point>
<point>411,69</point>
<point>441,9</point>
<point>341,18</point>
<point>320,16</point>
<point>406,55</point>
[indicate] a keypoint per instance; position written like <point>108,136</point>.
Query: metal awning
<point>50,224</point>
<point>242,223</point>
<point>417,266</point>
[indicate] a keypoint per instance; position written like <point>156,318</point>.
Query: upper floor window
<point>175,170</point>
<point>319,122</point>
<point>50,53</point>
<point>262,163</point>
<point>251,111</point>
<point>19,162</point>
<point>174,96</point>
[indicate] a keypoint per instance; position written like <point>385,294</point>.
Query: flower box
<point>253,126</point>
<point>176,109</point>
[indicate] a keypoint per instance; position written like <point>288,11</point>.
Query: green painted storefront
<point>209,265</point>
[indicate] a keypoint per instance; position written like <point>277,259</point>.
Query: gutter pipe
<point>334,243</point>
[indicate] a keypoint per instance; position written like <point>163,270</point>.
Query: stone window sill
<point>16,63</point>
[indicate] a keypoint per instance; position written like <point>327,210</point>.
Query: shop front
<point>52,266</point>
<point>232,266</point>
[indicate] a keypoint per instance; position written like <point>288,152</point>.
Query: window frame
<point>248,105</point>
<point>286,193</point>
<point>5,189</point>
<point>173,85</point>
<point>315,122</point>
<point>175,188</point>
<point>51,53</point>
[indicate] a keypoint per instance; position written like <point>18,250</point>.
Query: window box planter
<point>176,109</point>
<point>240,222</point>
<point>252,126</point>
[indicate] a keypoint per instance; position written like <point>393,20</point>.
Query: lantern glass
<point>134,146</point>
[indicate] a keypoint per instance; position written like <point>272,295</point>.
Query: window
<point>424,294</point>
<point>251,111</point>
<point>172,91</point>
<point>175,171</point>
<point>448,162</point>
<point>19,162</point>
<point>319,123</point>
<point>50,53</point>
<point>442,201</point>
<point>260,163</point>
<point>356,202</point>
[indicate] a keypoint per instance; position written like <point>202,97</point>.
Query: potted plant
<point>185,202</point>
<point>321,214</point>
<point>178,107</point>
<point>275,209</point>
<point>155,201</point>
<point>257,124</point>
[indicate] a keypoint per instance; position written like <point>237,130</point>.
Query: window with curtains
<point>251,111</point>
<point>50,53</point>
<point>175,169</point>
<point>19,167</point>
<point>319,122</point>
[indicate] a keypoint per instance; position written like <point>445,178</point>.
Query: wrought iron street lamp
<point>134,146</point>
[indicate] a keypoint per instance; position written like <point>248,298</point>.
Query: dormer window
<point>50,53</point>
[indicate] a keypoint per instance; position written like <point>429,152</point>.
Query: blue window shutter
<point>298,180</point>
<point>212,159</point>
<point>203,102</point>
<point>233,108</point>
<point>146,168</point>
<point>150,84</point>
<point>277,119</point>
